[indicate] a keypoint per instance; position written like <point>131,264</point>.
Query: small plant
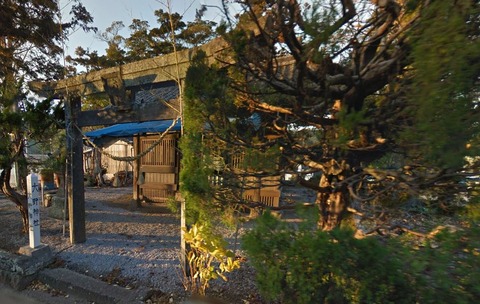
<point>207,259</point>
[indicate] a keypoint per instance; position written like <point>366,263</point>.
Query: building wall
<point>121,149</point>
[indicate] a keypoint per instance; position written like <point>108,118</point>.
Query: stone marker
<point>35,248</point>
<point>33,195</point>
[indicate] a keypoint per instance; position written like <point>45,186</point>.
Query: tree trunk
<point>332,206</point>
<point>19,199</point>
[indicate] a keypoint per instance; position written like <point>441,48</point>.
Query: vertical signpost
<point>41,253</point>
<point>33,195</point>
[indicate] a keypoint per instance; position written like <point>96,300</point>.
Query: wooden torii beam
<point>120,84</point>
<point>118,81</point>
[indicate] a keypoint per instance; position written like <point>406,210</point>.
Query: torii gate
<point>120,84</point>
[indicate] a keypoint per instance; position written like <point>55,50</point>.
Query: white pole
<point>33,195</point>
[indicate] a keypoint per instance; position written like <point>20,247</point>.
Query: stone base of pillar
<point>41,252</point>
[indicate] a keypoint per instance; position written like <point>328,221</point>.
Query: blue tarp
<point>127,130</point>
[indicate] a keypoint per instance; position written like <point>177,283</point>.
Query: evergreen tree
<point>144,41</point>
<point>115,53</point>
<point>139,42</point>
<point>340,87</point>
<point>31,36</point>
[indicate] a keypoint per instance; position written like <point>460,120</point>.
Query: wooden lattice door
<point>157,174</point>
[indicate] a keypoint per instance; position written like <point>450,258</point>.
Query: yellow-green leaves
<point>208,258</point>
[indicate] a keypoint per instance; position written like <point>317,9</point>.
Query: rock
<point>57,207</point>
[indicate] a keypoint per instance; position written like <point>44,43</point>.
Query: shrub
<point>310,266</point>
<point>450,269</point>
<point>207,259</point>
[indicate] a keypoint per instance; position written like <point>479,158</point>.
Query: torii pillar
<point>74,175</point>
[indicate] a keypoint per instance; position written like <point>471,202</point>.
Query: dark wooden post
<point>75,186</point>
<point>257,195</point>
<point>136,172</point>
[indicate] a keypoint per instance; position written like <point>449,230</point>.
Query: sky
<point>104,12</point>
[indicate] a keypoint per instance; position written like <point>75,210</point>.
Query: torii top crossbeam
<point>120,84</point>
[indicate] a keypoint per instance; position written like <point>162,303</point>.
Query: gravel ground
<point>128,247</point>
<point>141,246</point>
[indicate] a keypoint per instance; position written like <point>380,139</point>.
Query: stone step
<point>85,287</point>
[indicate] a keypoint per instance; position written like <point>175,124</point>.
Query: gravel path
<point>142,246</point>
<point>134,248</point>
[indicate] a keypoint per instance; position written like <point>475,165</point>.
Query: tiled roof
<point>155,95</point>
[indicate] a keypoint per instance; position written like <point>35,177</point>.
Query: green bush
<point>451,267</point>
<point>309,266</point>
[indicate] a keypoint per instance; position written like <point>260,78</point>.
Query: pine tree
<point>338,86</point>
<point>144,41</point>
<point>31,36</point>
